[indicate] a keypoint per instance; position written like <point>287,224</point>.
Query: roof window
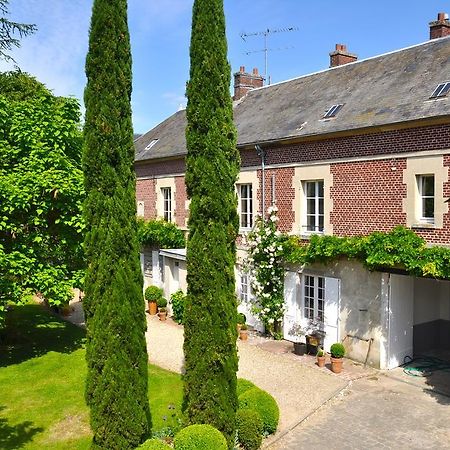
<point>151,144</point>
<point>332,111</point>
<point>442,90</point>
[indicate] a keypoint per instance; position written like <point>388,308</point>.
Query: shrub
<point>200,437</point>
<point>264,404</point>
<point>178,300</point>
<point>241,319</point>
<point>153,293</point>
<point>154,444</point>
<point>161,302</point>
<point>321,352</point>
<point>337,350</point>
<point>161,234</point>
<point>244,386</point>
<point>249,428</point>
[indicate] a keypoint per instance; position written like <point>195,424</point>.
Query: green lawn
<point>42,373</point>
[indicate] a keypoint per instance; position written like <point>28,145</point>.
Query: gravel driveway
<point>298,389</point>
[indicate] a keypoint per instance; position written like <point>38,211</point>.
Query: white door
<point>401,310</point>
<point>291,317</point>
<point>331,312</point>
<point>156,271</point>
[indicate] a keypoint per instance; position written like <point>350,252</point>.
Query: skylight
<point>151,144</point>
<point>332,111</point>
<point>442,90</point>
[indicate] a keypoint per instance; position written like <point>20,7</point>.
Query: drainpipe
<point>262,154</point>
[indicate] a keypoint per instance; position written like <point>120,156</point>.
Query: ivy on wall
<point>399,249</point>
<point>161,234</point>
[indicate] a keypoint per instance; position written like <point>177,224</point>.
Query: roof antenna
<point>266,50</point>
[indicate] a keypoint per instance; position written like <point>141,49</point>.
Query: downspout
<point>262,154</point>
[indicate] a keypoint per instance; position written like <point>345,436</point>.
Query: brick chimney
<point>440,27</point>
<point>341,56</point>
<point>244,82</point>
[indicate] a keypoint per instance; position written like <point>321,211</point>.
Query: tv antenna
<point>266,50</point>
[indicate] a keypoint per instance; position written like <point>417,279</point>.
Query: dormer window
<point>151,144</point>
<point>332,111</point>
<point>442,90</point>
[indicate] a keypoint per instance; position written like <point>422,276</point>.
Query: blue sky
<point>160,32</point>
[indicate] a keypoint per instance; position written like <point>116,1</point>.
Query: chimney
<point>440,27</point>
<point>341,56</point>
<point>244,82</point>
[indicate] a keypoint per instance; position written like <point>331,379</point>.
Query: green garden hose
<point>423,366</point>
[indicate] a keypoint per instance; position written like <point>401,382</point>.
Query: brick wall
<point>367,196</point>
<point>284,194</point>
<point>146,192</point>
<point>181,213</point>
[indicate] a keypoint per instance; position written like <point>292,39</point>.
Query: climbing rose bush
<point>263,263</point>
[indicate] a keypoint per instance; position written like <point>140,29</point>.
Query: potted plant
<point>241,319</point>
<point>314,336</point>
<point>321,356</point>
<point>337,351</point>
<point>299,344</point>
<point>162,308</point>
<point>152,294</point>
<point>243,332</point>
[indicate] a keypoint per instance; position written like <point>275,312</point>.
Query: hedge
<point>154,444</point>
<point>249,427</point>
<point>200,437</point>
<point>264,404</point>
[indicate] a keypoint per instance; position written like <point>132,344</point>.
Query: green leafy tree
<point>41,192</point>
<point>212,166</point>
<point>8,31</point>
<point>116,386</point>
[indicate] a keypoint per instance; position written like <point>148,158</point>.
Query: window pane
<point>320,223</point>
<point>428,186</point>
<point>428,208</point>
<point>310,189</point>
<point>311,206</point>
<point>320,188</point>
<point>321,206</point>
<point>311,223</point>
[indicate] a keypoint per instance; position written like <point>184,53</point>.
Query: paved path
<point>375,413</point>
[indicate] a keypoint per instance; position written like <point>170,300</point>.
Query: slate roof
<point>386,89</point>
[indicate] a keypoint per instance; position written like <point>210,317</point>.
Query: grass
<point>42,373</point>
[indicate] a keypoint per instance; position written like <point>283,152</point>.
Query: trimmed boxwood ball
<point>249,429</point>
<point>243,386</point>
<point>162,302</point>
<point>264,404</point>
<point>337,350</point>
<point>154,444</point>
<point>200,437</point>
<point>153,294</point>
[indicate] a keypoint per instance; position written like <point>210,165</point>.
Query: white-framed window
<point>167,203</point>
<point>425,186</point>
<point>244,287</point>
<point>314,201</point>
<point>314,297</point>
<point>245,196</point>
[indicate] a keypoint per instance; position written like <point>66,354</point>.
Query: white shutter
<point>331,316</point>
<point>291,314</point>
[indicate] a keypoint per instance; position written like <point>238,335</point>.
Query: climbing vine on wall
<point>401,248</point>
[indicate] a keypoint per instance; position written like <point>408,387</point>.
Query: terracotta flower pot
<point>336,365</point>
<point>321,361</point>
<point>243,335</point>
<point>152,308</point>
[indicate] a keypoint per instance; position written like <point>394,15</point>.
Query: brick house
<point>361,146</point>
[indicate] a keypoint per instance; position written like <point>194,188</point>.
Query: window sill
<point>304,235</point>
<point>424,225</point>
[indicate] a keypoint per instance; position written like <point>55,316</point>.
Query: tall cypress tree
<point>212,168</point>
<point>116,386</point>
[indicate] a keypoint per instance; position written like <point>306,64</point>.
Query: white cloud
<point>55,54</point>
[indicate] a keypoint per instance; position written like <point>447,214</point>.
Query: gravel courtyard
<point>298,389</point>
